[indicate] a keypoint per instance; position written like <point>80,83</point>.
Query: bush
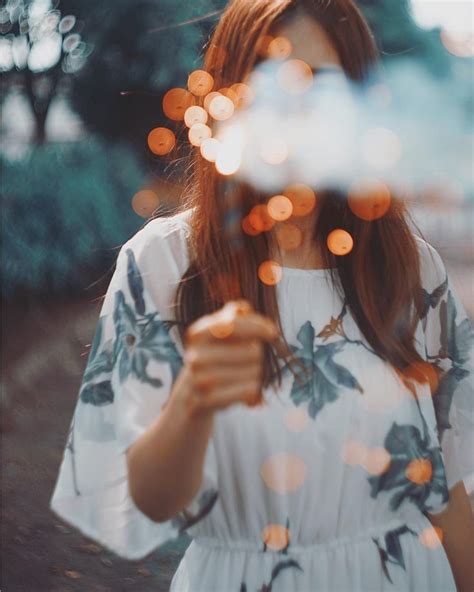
<point>65,211</point>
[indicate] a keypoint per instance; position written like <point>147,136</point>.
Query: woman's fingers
<point>224,355</point>
<point>235,321</point>
<point>208,379</point>
<point>202,355</point>
<point>243,391</point>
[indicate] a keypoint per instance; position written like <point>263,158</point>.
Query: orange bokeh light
<point>296,419</point>
<point>175,103</point>
<point>369,199</point>
<point>270,272</point>
<point>279,48</point>
<point>377,461</point>
<point>145,202</point>
<point>280,207</point>
<point>354,453</point>
<point>221,108</point>
<point>273,150</point>
<point>248,228</point>
<point>276,537</point>
<point>209,98</point>
<point>419,471</point>
<point>260,219</point>
<point>229,93</point>
<point>200,83</point>
<point>244,95</point>
<point>340,242</point>
<point>198,133</point>
<point>161,141</point>
<point>302,197</point>
<point>283,472</point>
<point>195,115</point>
<point>289,236</point>
<point>431,537</point>
<point>228,160</point>
<point>295,77</point>
<point>210,149</point>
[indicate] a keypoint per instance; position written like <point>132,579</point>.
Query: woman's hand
<point>224,357</point>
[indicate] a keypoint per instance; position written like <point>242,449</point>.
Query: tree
<point>39,46</point>
<point>398,35</point>
<point>141,47</point>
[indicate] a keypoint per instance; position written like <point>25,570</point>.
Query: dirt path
<point>42,371</point>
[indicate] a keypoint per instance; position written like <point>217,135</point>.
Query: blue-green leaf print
<point>319,380</point>
<point>98,394</point>
<point>135,283</point>
<point>455,340</point>
<point>406,445</point>
<point>276,571</point>
<point>141,338</point>
<point>390,551</point>
<point>185,519</point>
<point>431,300</point>
<point>443,397</point>
<point>100,362</point>
<point>455,344</point>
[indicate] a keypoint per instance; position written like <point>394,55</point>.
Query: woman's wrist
<point>183,397</point>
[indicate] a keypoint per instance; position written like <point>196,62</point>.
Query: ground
<point>43,364</point>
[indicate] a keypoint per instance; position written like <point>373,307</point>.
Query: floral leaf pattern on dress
<point>406,445</point>
<point>100,361</point>
<point>320,379</point>
<point>432,299</point>
<point>141,337</point>
<point>455,339</point>
<point>455,343</point>
<point>135,282</point>
<point>98,394</point>
<point>276,571</point>
<point>185,519</point>
<point>391,551</point>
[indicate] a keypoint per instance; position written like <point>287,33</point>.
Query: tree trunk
<point>40,105</point>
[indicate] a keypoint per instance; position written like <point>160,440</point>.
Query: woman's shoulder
<point>162,245</point>
<point>432,267</point>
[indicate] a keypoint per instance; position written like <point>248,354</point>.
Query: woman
<point>331,476</point>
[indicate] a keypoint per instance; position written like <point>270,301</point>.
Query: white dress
<point>324,487</point>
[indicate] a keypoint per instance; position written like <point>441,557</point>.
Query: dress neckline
<point>298,271</point>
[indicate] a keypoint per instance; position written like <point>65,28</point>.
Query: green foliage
<point>149,46</point>
<point>66,209</point>
<point>398,35</point>
<point>141,47</point>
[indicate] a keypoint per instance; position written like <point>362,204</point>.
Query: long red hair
<point>379,279</point>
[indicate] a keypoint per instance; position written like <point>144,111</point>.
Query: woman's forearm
<point>166,463</point>
<point>457,526</point>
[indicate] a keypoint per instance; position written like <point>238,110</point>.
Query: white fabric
<point>311,461</point>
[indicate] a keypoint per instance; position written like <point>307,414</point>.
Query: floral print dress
<point>326,486</point>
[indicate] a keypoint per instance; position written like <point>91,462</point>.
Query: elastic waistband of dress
<point>213,542</point>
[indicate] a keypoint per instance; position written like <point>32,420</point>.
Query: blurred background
<point>81,87</point>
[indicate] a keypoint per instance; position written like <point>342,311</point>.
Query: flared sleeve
<point>449,343</point>
<point>134,359</point>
